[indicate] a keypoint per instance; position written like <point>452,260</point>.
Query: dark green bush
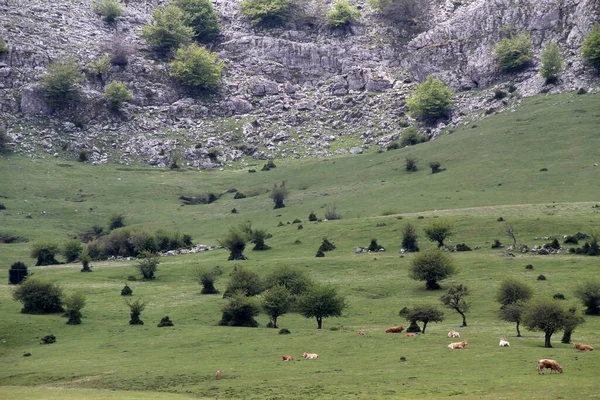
<point>462,247</point>
<point>284,331</point>
<point>61,83</point>
<point>165,321</point>
<point>71,250</point>
<point>373,246</point>
<point>497,244</point>
<point>200,15</point>
<point>45,253</point>
<point>409,238</point>
<point>240,311</point>
<point>243,281</point>
<point>39,296</point>
<point>541,277</point>
<point>279,194</point>
<point>136,307</point>
<point>207,280</point>
<point>17,273</point>
<point>148,265</point>
<point>499,94</point>
<point>326,245</point>
<point>196,67</point>
<point>126,291</point>
<point>435,167</point>
<point>239,195</point>
<point>320,253</point>
<point>265,12</point>
<point>116,221</point>
<point>411,164</point>
<point>432,100</point>
<point>167,30</point>
<point>514,53</point>
<point>268,166</point>
<point>411,136</point>
<point>312,217</point>
<point>558,296</point>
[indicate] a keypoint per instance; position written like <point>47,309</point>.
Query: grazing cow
<point>361,333</point>
<point>504,343</point>
<point>218,374</point>
<point>411,334</point>
<point>458,345</point>
<point>395,329</point>
<point>583,347</point>
<point>310,356</point>
<point>287,358</point>
<point>546,363</point>
<point>453,334</point>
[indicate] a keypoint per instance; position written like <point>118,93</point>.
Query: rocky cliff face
<point>294,91</point>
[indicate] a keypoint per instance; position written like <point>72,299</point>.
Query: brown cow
<point>218,374</point>
<point>361,333</point>
<point>395,329</point>
<point>546,363</point>
<point>458,345</point>
<point>287,358</point>
<point>583,347</point>
<point>411,335</point>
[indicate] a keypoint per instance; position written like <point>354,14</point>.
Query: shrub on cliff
<point>61,82</point>
<point>200,15</point>
<point>432,100</point>
<point>109,9</point>
<point>590,49</point>
<point>196,67</point>
<point>167,30</point>
<point>266,12</point>
<point>552,62</point>
<point>342,13</point>
<point>514,53</point>
<point>116,94</point>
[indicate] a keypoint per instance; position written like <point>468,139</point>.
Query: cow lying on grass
<point>550,364</point>
<point>583,347</point>
<point>287,358</point>
<point>504,343</point>
<point>453,334</point>
<point>395,329</point>
<point>458,345</point>
<point>361,333</point>
<point>411,334</point>
<point>310,356</point>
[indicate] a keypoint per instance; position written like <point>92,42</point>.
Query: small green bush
<point>167,30</point>
<point>39,296</point>
<point>411,136</point>
<point>266,12</point>
<point>240,311</point>
<point>552,62</point>
<point>432,100</point>
<point>243,281</point>
<point>398,10</point>
<point>61,83</point>
<point>514,53</point>
<point>109,9</point>
<point>200,15</point>
<point>119,51</point>
<point>148,265</point>
<point>435,167</point>
<point>165,321</point>
<point>3,45</point>
<point>116,221</point>
<point>45,253</point>
<point>17,273</point>
<point>341,14</point>
<point>312,217</point>
<point>73,304</point>
<point>136,307</point>
<point>411,164</point>
<point>116,94</point>
<point>279,194</point>
<point>541,278</point>
<point>195,66</point>
<point>409,238</point>
<point>590,48</point>
<point>71,249</point>
<point>326,245</point>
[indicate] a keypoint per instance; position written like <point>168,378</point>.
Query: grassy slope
<point>105,353</point>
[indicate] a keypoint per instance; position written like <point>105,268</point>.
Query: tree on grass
<point>552,62</point>
<point>276,302</point>
<point>455,299</point>
<point>321,301</point>
<point>589,294</point>
<point>235,242</point>
<point>116,94</point>
<point>136,307</point>
<point>61,82</point>
<point>167,30</point>
<point>432,100</point>
<point>200,15</point>
<point>39,296</point>
<point>71,250</point>
<point>431,266</point>
<point>411,164</point>
<point>240,310</point>
<point>409,238</point>
<point>296,281</point>
<point>422,313</point>
<point>438,231</point>
<point>572,321</point>
<point>513,313</point>
<point>207,280</point>
<point>590,48</point>
<point>512,295</point>
<point>514,53</point>
<point>258,237</point>
<point>196,67</point>
<point>279,194</point>
<point>547,316</point>
<point>148,265</point>
<point>245,281</point>
<point>73,304</point>
<point>45,253</point>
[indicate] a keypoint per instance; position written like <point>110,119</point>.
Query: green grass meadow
<point>493,169</point>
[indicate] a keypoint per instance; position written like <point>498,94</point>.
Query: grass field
<point>492,170</point>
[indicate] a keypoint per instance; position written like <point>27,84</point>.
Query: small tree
<point>196,67</point>
<point>276,302</point>
<point>71,250</point>
<point>411,164</point>
<point>547,316</point>
<point>235,242</point>
<point>455,299</point>
<point>17,273</point>
<point>422,313</point>
<point>200,15</point>
<point>148,265</point>
<point>116,221</point>
<point>240,311</point>
<point>265,12</point>
<point>513,290</point>
<point>61,82</point>
<point>589,294</point>
<point>590,48</point>
<point>167,30</point>
<point>431,266</point>
<point>207,280</point>
<point>296,281</point>
<point>99,68</point>
<point>136,307</point>
<point>39,296</point>
<point>321,301</point>
<point>409,238</point>
<point>513,312</point>
<point>432,100</point>
<point>435,167</point>
<point>511,233</point>
<point>116,94</point>
<point>552,62</point>
<point>258,237</point>
<point>572,321</point>
<point>279,194</point>
<point>243,281</point>
<point>73,304</point>
<point>331,212</point>
<point>438,231</point>
<point>341,14</point>
<point>45,253</point>
<point>109,9</point>
<point>312,217</point>
<point>514,53</point>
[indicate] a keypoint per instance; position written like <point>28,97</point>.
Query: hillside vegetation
<point>534,167</point>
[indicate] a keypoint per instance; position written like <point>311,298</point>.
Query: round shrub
<point>109,9</point>
<point>167,30</point>
<point>529,266</point>
<point>432,99</point>
<point>116,94</point>
<point>590,49</point>
<point>266,12</point>
<point>284,331</point>
<point>61,83</point>
<point>341,14</point>
<point>39,296</point>
<point>17,273</point>
<point>45,253</point>
<point>514,53</point>
<point>541,278</point>
<point>200,15</point>
<point>552,62</point>
<point>196,67</point>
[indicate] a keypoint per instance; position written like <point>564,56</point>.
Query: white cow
<point>453,334</point>
<point>504,343</point>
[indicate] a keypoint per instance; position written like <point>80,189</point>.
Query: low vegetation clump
<point>432,100</point>
<point>73,305</point>
<point>409,238</point>
<point>136,307</point>
<point>39,296</point>
<point>235,241</point>
<point>196,67</point>
<point>399,10</point>
<point>411,137</point>
<point>116,94</point>
<point>589,294</point>
<point>431,266</point>
<point>17,273</point>
<point>148,265</point>
<point>341,14</point>
<point>514,53</point>
<point>165,321</point>
<point>266,12</point>
<point>167,30</point>
<point>279,194</point>
<point>200,15</point>
<point>243,281</point>
<point>61,83</point>
<point>109,9</point>
<point>207,280</point>
<point>240,310</point>
<point>590,48</point>
<point>45,253</point>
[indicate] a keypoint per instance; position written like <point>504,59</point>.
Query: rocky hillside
<point>300,90</point>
